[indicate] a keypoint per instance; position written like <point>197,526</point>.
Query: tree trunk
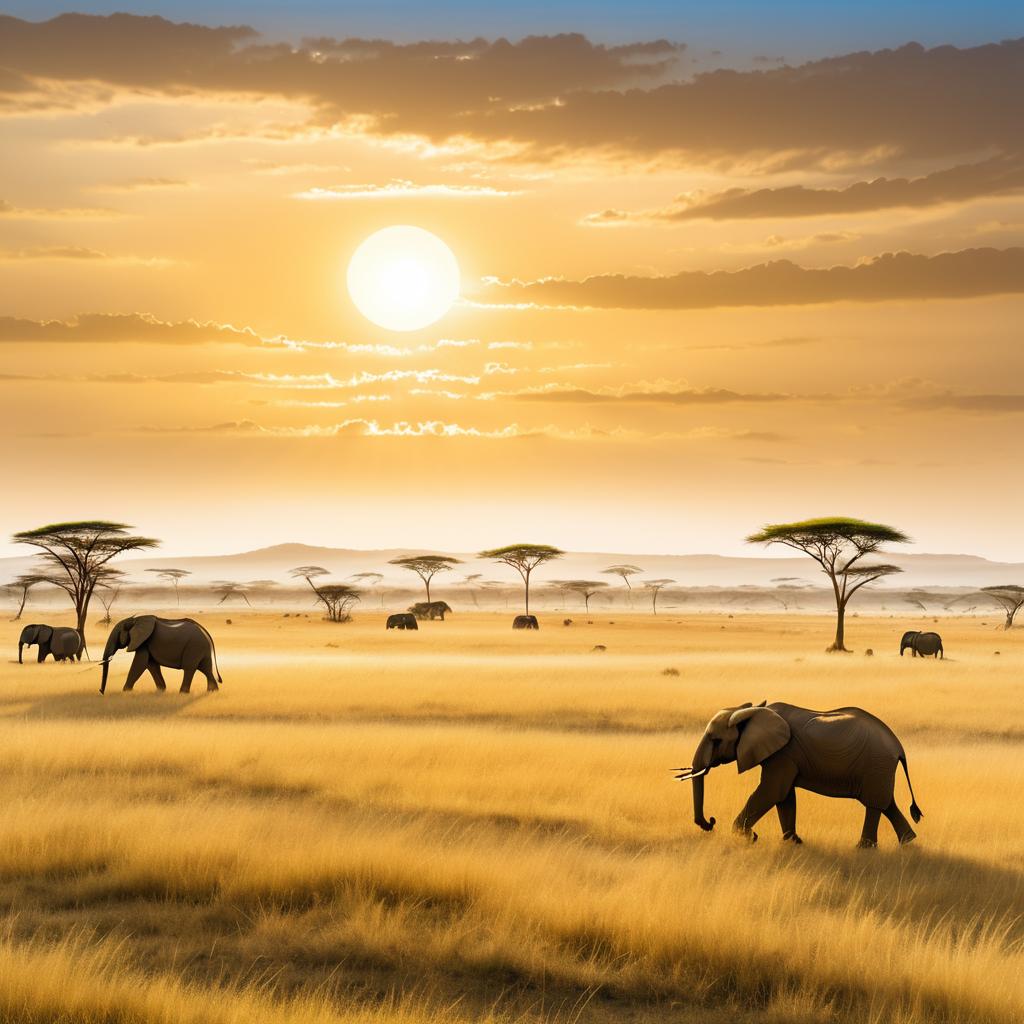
<point>839,644</point>
<point>21,607</point>
<point>526,580</point>
<point>427,582</point>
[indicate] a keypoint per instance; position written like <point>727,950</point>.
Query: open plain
<point>466,823</point>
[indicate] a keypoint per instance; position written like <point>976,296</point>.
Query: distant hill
<point>920,569</point>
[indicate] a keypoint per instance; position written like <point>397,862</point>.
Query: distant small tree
<point>655,587</point>
<point>23,584</point>
<point>75,556</point>
<point>267,586</point>
<point>173,577</point>
<point>470,582</point>
<point>1010,596</point>
<point>624,571</point>
<point>837,545</point>
<point>585,589</point>
<point>524,558</point>
<point>108,592</point>
<point>371,579</point>
<point>228,589</point>
<point>426,566</point>
<point>337,598</point>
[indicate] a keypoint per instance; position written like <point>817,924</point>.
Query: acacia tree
<point>174,577</point>
<point>1010,596</point>
<point>837,545</point>
<point>230,588</point>
<point>656,587</point>
<point>337,598</point>
<point>585,589</point>
<point>373,580</point>
<point>470,582</point>
<point>524,558</point>
<point>625,571</point>
<point>75,556</point>
<point>108,591</point>
<point>25,582</point>
<point>426,566</point>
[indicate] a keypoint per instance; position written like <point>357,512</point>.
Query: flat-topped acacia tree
<point>1010,596</point>
<point>524,558</point>
<point>426,566</point>
<point>174,577</point>
<point>837,545</point>
<point>585,589</point>
<point>74,557</point>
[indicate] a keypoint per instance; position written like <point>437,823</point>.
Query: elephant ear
<point>43,634</point>
<point>141,630</point>
<point>763,733</point>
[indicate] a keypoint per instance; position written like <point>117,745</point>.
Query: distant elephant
<point>402,620</point>
<point>525,622</point>
<point>430,610</point>
<point>922,643</point>
<point>63,642</point>
<point>843,753</point>
<point>167,643</point>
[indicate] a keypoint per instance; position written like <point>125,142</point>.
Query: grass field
<point>468,823</point>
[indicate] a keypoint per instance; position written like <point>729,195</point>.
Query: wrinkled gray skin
<point>525,622</point>
<point>163,643</point>
<point>402,620</point>
<point>63,642</point>
<point>924,644</point>
<point>430,609</point>
<point>842,753</point>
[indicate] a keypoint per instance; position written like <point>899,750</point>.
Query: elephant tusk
<point>693,774</point>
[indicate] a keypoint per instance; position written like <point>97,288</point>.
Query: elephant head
<point>128,634</point>
<point>33,634</point>
<point>747,735</point>
<point>908,640</point>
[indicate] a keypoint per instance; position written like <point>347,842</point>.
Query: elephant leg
<point>138,666</point>
<point>787,818</point>
<point>756,807</point>
<point>43,652</point>
<point>158,676</point>
<point>211,680</point>
<point>186,679</point>
<point>869,834</point>
<point>900,825</point>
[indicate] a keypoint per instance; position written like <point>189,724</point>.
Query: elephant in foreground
<point>843,753</point>
<point>922,643</point>
<point>402,620</point>
<point>430,609</point>
<point>63,642</point>
<point>525,622</point>
<point>163,643</point>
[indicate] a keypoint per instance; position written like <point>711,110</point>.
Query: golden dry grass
<point>466,822</point>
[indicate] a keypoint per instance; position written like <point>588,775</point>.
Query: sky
<point>719,267</point>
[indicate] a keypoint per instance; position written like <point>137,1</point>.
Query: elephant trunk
<point>108,652</point>
<point>701,764</point>
<point>20,645</point>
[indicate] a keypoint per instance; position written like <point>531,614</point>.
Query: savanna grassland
<point>468,823</point>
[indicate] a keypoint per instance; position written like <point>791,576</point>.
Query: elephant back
<point>928,643</point>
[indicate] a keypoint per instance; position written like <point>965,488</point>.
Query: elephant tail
<point>915,812</point>
<point>213,649</point>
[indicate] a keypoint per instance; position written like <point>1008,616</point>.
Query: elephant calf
<point>845,753</point>
<point>63,642</point>
<point>924,644</point>
<point>430,610</point>
<point>525,622</point>
<point>402,620</point>
<point>163,643</point>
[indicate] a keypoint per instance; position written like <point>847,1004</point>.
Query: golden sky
<point>692,301</point>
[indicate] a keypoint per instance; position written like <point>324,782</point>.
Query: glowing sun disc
<point>403,278</point>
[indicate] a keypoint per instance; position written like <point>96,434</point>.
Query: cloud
<point>76,253</point>
<point>10,212</point>
<point>964,274</point>
<point>358,427</point>
<point>144,185</point>
<point>638,394</point>
<point>402,190</point>
<point>113,328</point>
<point>545,96</point>
<point>1002,175</point>
<point>994,404</point>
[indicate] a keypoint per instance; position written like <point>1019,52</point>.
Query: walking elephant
<point>922,643</point>
<point>842,753</point>
<point>525,622</point>
<point>163,643</point>
<point>402,620</point>
<point>63,642</point>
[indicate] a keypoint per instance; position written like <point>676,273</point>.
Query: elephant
<point>922,643</point>
<point>163,643</point>
<point>402,620</point>
<point>63,642</point>
<point>846,752</point>
<point>430,610</point>
<point>525,622</point>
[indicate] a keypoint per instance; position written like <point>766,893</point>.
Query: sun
<point>403,278</point>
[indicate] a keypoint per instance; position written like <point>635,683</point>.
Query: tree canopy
<point>837,544</point>
<point>1010,596</point>
<point>524,558</point>
<point>426,566</point>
